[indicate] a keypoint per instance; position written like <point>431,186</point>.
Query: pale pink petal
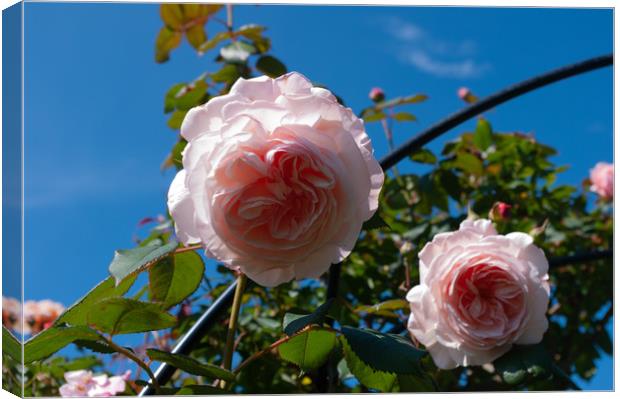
<point>182,210</point>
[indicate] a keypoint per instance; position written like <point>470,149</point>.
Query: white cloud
<point>434,55</point>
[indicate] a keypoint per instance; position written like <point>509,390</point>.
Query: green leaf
<point>237,52</point>
<point>201,390</point>
<point>172,15</point>
<point>387,306</point>
<point>53,339</point>
<point>167,40</point>
<point>423,156</point>
<point>401,100</point>
<point>196,36</point>
<point>251,31</point>
<point>293,322</point>
<point>130,261</point>
<point>190,365</point>
<point>11,346</point>
<point>469,163</point>
<point>191,95</point>
<point>124,316</point>
<point>176,119</point>
<point>374,379</point>
<point>404,117</point>
<point>170,100</point>
<point>228,74</point>
<point>270,66</point>
<point>524,360</point>
<point>376,222</point>
<point>483,137</point>
<point>374,116</point>
<point>310,349</point>
<point>415,383</point>
<point>214,41</point>
<point>175,278</point>
<point>76,314</point>
<point>95,346</point>
<point>384,352</point>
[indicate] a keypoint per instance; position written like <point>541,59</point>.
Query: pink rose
<point>500,211</point>
<point>11,313</point>
<point>82,383</point>
<point>376,94</point>
<point>39,315</point>
<point>278,179</point>
<point>602,178</point>
<point>479,293</point>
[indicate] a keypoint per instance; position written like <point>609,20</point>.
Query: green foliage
<point>130,261</point>
<point>309,349</point>
<point>53,339</point>
<point>190,365</point>
<point>270,66</point>
<point>76,314</point>
<point>124,316</point>
<point>10,345</point>
<point>175,278</point>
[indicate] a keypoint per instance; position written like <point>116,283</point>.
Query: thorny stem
<point>129,354</point>
<point>232,323</point>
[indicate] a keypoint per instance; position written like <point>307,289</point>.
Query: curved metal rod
<point>491,101</point>
<point>195,334</point>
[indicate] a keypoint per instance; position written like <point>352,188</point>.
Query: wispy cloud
<point>435,55</point>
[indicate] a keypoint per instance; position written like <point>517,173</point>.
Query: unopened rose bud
<point>376,94</point>
<point>466,95</point>
<point>500,211</point>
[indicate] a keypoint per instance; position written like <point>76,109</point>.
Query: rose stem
<point>186,249</point>
<point>232,323</point>
<point>229,17</point>
<point>129,354</point>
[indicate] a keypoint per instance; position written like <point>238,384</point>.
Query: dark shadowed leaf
<point>294,322</point>
<point>376,222</point>
<point>190,365</point>
<point>385,352</point>
<point>369,377</point>
<point>270,66</point>
<point>124,316</point>
<point>524,360</point>
<point>309,349</point>
<point>129,261</point>
<point>201,390</point>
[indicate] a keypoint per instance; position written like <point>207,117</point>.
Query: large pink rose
<point>602,178</point>
<point>479,293</point>
<point>278,178</point>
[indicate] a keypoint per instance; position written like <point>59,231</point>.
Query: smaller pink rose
<point>82,383</point>
<point>602,179</point>
<point>500,211</point>
<point>466,95</point>
<point>480,292</point>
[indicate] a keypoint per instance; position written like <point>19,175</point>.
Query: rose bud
<point>500,211</point>
<point>466,95</point>
<point>376,94</point>
<point>602,180</point>
<point>278,178</point>
<point>479,293</point>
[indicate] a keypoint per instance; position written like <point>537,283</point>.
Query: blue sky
<point>96,132</point>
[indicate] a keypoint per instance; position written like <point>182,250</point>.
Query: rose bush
<point>479,293</point>
<point>278,178</point>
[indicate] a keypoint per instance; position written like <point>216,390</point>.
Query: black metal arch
<point>221,304</point>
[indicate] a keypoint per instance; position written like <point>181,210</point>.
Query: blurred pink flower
<point>376,94</point>
<point>39,315</point>
<point>602,178</point>
<point>82,383</point>
<point>11,313</point>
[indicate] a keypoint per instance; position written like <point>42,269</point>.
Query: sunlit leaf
<point>53,339</point>
<point>175,278</point>
<point>124,316</point>
<point>129,261</point>
<point>310,349</point>
<point>167,40</point>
